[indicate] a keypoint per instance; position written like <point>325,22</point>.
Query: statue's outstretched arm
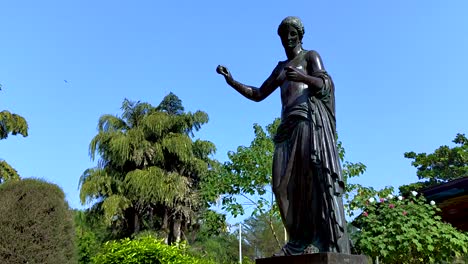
<point>250,92</point>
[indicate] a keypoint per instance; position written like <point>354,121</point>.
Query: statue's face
<point>290,37</point>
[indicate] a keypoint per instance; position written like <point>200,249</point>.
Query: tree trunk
<point>176,231</point>
<point>136,223</point>
<point>151,217</point>
<point>165,226</point>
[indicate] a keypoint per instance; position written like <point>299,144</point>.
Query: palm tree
<point>149,169</point>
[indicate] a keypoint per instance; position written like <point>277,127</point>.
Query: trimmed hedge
<point>36,225</point>
<point>145,250</point>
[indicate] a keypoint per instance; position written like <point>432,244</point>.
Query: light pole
<point>240,243</point>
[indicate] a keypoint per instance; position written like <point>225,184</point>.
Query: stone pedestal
<point>317,258</point>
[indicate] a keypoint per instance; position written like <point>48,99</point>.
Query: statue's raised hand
<point>223,71</point>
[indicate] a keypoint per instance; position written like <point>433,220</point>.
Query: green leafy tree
<point>258,236</point>
<point>407,230</point>
<point>222,248</point>
<point>248,173</point>
<point>36,224</point>
<point>246,181</point>
<point>150,170</point>
<point>10,124</point>
<point>444,164</point>
<point>91,232</point>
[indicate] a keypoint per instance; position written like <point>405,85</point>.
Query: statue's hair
<point>294,22</point>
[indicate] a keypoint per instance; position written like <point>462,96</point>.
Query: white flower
<point>371,199</point>
<point>432,203</point>
<point>400,197</point>
<point>390,196</point>
<point>414,193</point>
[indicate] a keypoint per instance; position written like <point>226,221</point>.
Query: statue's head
<point>290,23</point>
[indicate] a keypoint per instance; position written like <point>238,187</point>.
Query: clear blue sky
<point>400,70</point>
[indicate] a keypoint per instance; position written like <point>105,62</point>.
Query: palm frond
<point>95,183</point>
<point>154,185</point>
<point>203,148</point>
<point>157,124</point>
<point>114,206</point>
<point>179,145</point>
<point>111,123</point>
<point>134,111</point>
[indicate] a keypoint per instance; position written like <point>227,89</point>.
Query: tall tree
<point>150,170</point>
<point>444,164</point>
<point>10,124</point>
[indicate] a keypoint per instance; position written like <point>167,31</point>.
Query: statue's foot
<point>292,248</point>
<point>311,249</point>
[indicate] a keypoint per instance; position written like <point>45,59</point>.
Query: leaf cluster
<point>12,123</point>
<point>146,249</point>
<point>7,172</point>
<point>247,173</point>
<point>444,164</point>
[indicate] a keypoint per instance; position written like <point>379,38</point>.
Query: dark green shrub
<point>145,250</point>
<point>36,225</point>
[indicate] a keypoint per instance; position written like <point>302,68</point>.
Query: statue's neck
<point>292,53</point>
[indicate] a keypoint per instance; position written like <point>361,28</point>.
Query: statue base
<point>317,258</point>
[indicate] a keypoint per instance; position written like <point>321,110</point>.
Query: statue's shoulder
<point>312,55</point>
<point>314,61</point>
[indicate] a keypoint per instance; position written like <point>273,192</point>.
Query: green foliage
<point>150,173</point>
<point>222,248</point>
<point>7,172</point>
<point>36,225</point>
<point>171,104</point>
<point>261,241</point>
<point>444,164</point>
<point>10,124</point>
<point>407,230</point>
<point>91,232</point>
<point>212,224</point>
<point>248,172</point>
<point>143,250</point>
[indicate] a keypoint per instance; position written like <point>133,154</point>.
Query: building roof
<point>452,198</point>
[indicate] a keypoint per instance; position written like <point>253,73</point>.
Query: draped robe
<point>307,177</point>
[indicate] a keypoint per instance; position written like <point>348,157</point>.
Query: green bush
<point>144,250</point>
<point>36,225</point>
<point>407,230</point>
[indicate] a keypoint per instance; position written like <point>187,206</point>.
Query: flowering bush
<point>406,230</point>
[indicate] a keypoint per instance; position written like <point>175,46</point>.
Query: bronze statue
<point>307,179</point>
